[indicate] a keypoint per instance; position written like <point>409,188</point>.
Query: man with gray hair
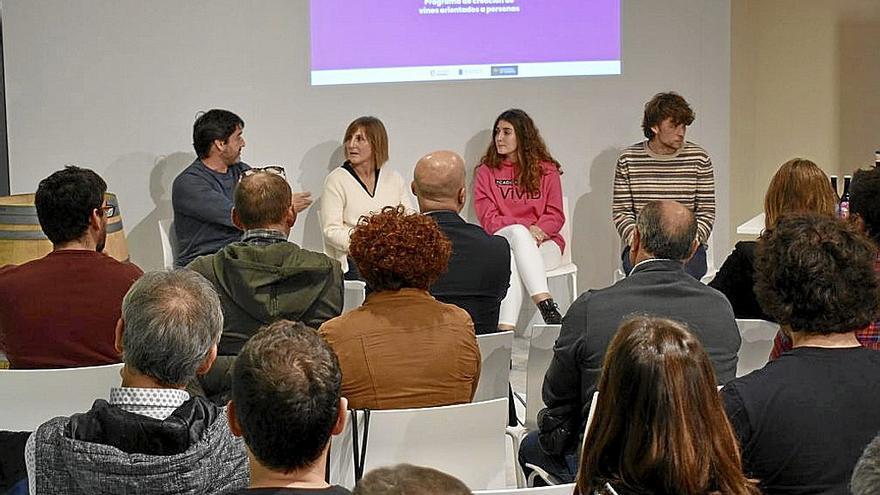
<point>151,436</point>
<point>663,241</point>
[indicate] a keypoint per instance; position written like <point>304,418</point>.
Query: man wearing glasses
<point>201,195</point>
<point>61,310</point>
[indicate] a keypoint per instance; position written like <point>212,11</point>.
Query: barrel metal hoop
<point>38,235</point>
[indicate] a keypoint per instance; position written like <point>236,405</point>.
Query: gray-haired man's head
<point>171,324</point>
<point>665,230</point>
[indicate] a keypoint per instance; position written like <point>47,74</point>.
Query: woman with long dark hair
<point>518,195</point>
<point>659,425</point>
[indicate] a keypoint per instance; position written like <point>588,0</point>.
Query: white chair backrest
<point>710,262</point>
<point>565,232</point>
<point>566,489</point>
<point>591,413</point>
<point>355,293</point>
<point>165,235</point>
<point>495,349</point>
<point>465,440</point>
<point>540,353</point>
<point>32,397</point>
<point>757,342</point>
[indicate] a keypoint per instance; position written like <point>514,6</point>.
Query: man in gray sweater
<point>151,437</point>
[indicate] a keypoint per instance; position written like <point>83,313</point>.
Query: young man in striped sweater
<point>665,167</point>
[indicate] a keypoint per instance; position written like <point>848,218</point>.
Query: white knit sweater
<point>344,201</point>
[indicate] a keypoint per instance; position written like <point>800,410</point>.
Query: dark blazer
<point>479,271</point>
<point>656,287</point>
<point>736,280</point>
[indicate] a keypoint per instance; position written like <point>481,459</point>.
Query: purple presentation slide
<point>461,38</point>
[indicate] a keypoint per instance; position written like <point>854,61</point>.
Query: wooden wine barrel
<point>22,239</point>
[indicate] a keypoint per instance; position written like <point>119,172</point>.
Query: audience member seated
<point>864,211</point>
<point>866,475</point>
<point>358,188</point>
<point>479,268</point>
<point>798,186</point>
<point>202,193</point>
<point>664,239</point>
<point>804,419</point>
<point>406,479</point>
<point>402,348</point>
<point>264,277</point>
<point>60,311</point>
<point>151,437</point>
<point>286,404</point>
<point>659,425</point>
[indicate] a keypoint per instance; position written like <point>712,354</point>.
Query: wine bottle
<point>843,207</point>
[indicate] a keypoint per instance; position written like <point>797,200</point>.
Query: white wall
<point>115,85</point>
<point>804,83</point>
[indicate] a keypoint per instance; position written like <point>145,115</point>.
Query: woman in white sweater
<point>358,188</point>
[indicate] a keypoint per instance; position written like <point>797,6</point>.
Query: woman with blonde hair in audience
<point>518,196</point>
<point>799,186</point>
<point>360,186</point>
<point>659,425</point>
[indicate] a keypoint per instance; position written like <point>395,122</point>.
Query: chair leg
<point>516,435</point>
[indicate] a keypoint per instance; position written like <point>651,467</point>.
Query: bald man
<point>663,241</point>
<point>479,269</point>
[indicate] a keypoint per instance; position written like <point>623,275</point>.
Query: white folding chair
<point>540,354</point>
<point>355,293</point>
<point>566,489</point>
<point>566,267</point>
<point>465,440</point>
<point>166,234</point>
<point>757,342</point>
<point>495,349</point>
<point>541,344</point>
<point>32,397</point>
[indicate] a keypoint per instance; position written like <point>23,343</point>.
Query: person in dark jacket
<point>264,277</point>
<point>479,268</point>
<point>664,239</point>
<point>798,186</point>
<point>151,437</point>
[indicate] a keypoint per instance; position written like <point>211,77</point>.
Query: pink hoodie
<point>499,203</point>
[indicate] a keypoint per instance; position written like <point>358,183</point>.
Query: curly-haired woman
<point>518,196</point>
<point>402,348</point>
<point>804,419</point>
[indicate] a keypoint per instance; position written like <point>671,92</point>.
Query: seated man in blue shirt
<point>201,195</point>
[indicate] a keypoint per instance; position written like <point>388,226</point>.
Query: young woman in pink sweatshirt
<point>518,195</point>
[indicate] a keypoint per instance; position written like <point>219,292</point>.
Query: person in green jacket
<point>264,277</point>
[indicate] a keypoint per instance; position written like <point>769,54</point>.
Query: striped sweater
<point>642,176</point>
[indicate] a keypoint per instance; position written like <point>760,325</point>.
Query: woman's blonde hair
<point>798,186</point>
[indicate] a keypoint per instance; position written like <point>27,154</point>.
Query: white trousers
<point>528,266</point>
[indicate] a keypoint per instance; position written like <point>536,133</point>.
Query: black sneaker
<point>550,312</point>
